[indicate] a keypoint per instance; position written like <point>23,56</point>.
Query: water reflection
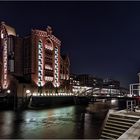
<point>63,122</point>
<point>6,120</point>
<point>16,125</point>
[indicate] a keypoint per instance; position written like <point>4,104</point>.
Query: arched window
<point>49,44</point>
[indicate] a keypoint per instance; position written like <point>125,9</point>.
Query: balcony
<point>48,67</point>
<point>49,47</point>
<point>48,78</point>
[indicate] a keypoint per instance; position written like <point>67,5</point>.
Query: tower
<point>6,54</point>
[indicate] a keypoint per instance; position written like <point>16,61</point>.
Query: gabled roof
<point>10,30</point>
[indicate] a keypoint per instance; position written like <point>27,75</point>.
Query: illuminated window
<point>40,63</point>
<point>48,45</point>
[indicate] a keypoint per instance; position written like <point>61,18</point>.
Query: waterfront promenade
<point>134,131</point>
<point>123,124</point>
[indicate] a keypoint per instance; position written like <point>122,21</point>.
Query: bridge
<point>100,92</point>
<point>85,96</point>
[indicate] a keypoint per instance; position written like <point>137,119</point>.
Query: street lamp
<point>28,91</point>
<point>8,91</point>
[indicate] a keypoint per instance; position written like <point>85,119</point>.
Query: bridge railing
<point>102,92</point>
<point>134,89</point>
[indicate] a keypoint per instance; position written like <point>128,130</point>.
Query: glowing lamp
<point>28,91</point>
<point>8,91</point>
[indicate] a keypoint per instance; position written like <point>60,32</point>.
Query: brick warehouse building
<point>33,62</point>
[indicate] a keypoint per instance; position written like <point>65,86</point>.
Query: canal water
<point>69,122</point>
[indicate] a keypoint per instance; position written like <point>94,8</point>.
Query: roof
<point>10,30</point>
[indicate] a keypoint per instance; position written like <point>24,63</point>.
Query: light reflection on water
<point>62,122</point>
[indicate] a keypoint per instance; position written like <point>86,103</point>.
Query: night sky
<point>101,38</point>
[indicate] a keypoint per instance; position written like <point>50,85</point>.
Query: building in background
<point>89,80</point>
<point>73,80</point>
<point>65,74</point>
<point>114,84</point>
<point>84,84</point>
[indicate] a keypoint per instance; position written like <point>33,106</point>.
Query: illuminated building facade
<point>10,56</point>
<point>42,58</point>
<point>5,32</point>
<point>35,59</point>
